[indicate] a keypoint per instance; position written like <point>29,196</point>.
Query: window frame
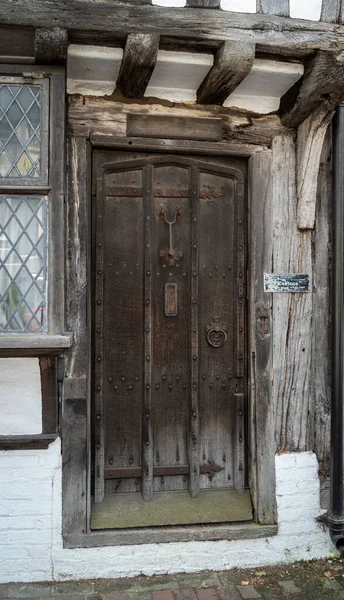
<point>52,186</point>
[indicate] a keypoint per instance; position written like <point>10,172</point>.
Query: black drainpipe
<point>336,508</point>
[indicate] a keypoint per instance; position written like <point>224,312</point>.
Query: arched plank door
<point>169,328</point>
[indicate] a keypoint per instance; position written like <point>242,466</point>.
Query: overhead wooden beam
<point>51,45</point>
<point>139,58</point>
<point>273,7</point>
<point>323,80</point>
<point>99,20</point>
<point>330,11</point>
<point>233,61</point>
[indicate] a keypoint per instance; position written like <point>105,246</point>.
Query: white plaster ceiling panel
<point>92,70</point>
<point>177,75</point>
<point>263,88</point>
<point>305,9</point>
<point>243,6</point>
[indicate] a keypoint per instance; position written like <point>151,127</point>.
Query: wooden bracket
<point>233,61</point>
<point>140,54</point>
<point>323,80</point>
<point>310,139</point>
<point>51,45</point>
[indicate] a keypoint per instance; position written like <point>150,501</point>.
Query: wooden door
<point>169,324</point>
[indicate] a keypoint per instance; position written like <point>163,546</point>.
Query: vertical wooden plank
<point>240,265</point>
<point>330,11</point>
<point>99,345</point>
<point>74,404</point>
<point>194,483</point>
<point>147,438</point>
<point>239,445</point>
<point>321,353</point>
<point>47,367</point>
<point>292,313</point>
<point>273,7</point>
<point>262,407</point>
<point>56,229</point>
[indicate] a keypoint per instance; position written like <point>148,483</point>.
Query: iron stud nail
<point>194,274</point>
<point>148,272</point>
<point>99,244</point>
<point>98,329</point>
<point>164,377</point>
<point>98,446</point>
<point>194,329</point>
<point>157,386</point>
<point>194,385</point>
<point>123,378</point>
<point>184,274</point>
<point>99,387</point>
<point>111,461</point>
<point>240,356</point>
<point>116,387</point>
<point>194,414</point>
<point>136,378</point>
<point>147,386</point>
<point>170,386</point>
<point>240,221</point>
<point>148,357</point>
<point>240,468</point>
<point>130,461</point>
<point>130,387</point>
<point>210,274</point>
<point>203,376</point>
<point>147,245</point>
<point>194,301</point>
<point>217,377</point>
<point>147,415</point>
<point>240,439</point>
<point>223,275</point>
<point>184,386</point>
<point>194,357</point>
<point>100,272</point>
<point>147,329</point>
<point>240,413</point>
<point>147,301</point>
<point>99,358</point>
<point>240,274</point>
<point>217,267</point>
<point>98,417</point>
<point>194,220</point>
<point>194,246</point>
<point>223,386</point>
<point>147,443</point>
<point>170,274</point>
<point>99,302</point>
<point>211,385</point>
<point>110,379</point>
<point>177,377</point>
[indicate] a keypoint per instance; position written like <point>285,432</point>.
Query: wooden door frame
<point>76,421</point>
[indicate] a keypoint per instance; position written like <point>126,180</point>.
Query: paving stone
<point>289,586</point>
<point>114,596</point>
<point>207,594</point>
<point>162,595</point>
<point>157,583</point>
<point>3,590</point>
<point>228,593</point>
<point>116,586</point>
<point>248,592</point>
<point>226,577</point>
<point>198,580</point>
<point>185,594</point>
<point>78,588</point>
<point>29,590</point>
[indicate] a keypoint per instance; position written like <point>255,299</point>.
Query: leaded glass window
<point>23,132</point>
<point>23,276</point>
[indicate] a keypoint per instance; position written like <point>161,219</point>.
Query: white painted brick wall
<point>30,527</point>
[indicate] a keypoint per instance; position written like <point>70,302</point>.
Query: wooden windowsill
<point>34,344</point>
<point>40,441</point>
<point>146,535</point>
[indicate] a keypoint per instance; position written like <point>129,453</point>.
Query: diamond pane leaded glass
<point>23,233</point>
<point>20,130</point>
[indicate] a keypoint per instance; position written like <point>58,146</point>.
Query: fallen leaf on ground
<point>245,583</point>
<point>260,573</point>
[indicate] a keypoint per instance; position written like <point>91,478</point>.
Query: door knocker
<point>216,333</point>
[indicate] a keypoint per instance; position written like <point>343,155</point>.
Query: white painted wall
<point>30,527</point>
<point>20,396</point>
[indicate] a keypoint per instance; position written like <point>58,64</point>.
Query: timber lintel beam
<point>233,62</point>
<point>139,58</point>
<point>323,80</point>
